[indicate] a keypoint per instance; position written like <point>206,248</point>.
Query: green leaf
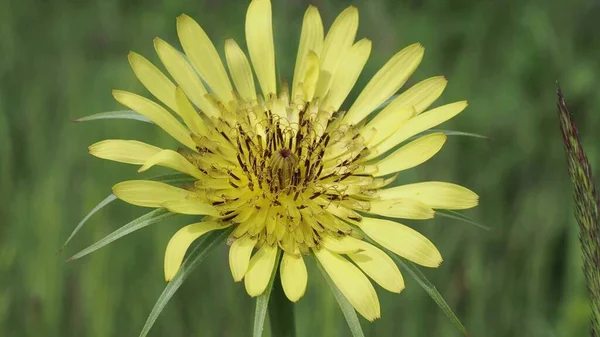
<point>172,178</point>
<point>416,274</point>
<point>461,217</point>
<point>201,249</point>
<point>447,133</point>
<point>139,223</point>
<point>262,302</point>
<point>120,114</point>
<point>347,308</point>
<point>98,207</point>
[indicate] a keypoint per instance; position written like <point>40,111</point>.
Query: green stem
<point>281,312</point>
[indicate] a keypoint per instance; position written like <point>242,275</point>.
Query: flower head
<point>291,172</point>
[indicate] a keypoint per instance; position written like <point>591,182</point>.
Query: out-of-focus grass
<point>60,59</point>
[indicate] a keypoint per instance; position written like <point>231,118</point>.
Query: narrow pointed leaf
<point>586,208</point>
<point>281,311</point>
<point>120,114</point>
<point>461,217</point>
<point>201,249</point>
<point>173,178</point>
<point>98,207</point>
<point>262,302</point>
<point>447,133</point>
<point>139,223</point>
<point>416,274</point>
<point>347,308</point>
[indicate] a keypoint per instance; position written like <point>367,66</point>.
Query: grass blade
<point>347,308</point>
<point>173,178</point>
<point>139,223</point>
<point>281,311</point>
<point>120,114</point>
<point>461,217</point>
<point>191,262</point>
<point>262,302</point>
<point>586,208</point>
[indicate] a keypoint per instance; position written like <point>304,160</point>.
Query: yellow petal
<point>240,70</point>
<point>259,37</point>
<point>342,245</point>
<point>383,125</point>
<point>419,124</point>
<point>153,79</point>
<point>148,193</point>
<point>352,283</point>
<point>403,241</point>
<point>386,82</point>
<point>204,57</point>
<point>260,270</point>
<point>435,194</point>
<point>188,113</point>
<point>337,43</point>
<point>294,276</point>
<point>191,206</point>
<point>311,39</point>
<point>181,241</point>
<point>174,160</point>
<point>346,75</point>
<point>239,256</point>
<point>412,154</point>
<point>157,114</point>
<point>312,75</point>
<point>185,76</point>
<point>401,208</point>
<point>123,151</point>
<point>379,266</point>
<point>421,95</point>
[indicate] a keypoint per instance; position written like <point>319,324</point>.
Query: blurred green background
<point>60,59</point>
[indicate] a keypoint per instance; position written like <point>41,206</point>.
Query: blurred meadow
<point>60,59</point>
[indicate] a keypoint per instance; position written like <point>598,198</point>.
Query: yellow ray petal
<point>421,95</point>
<point>260,270</point>
<point>185,76</point>
<point>181,241</point>
<point>240,70</point>
<point>410,155</point>
<point>239,256</point>
<point>147,193</point>
<point>337,43</point>
<point>342,245</point>
<point>153,79</point>
<point>386,82</point>
<point>204,57</point>
<point>123,151</point>
<point>259,37</point>
<point>401,208</point>
<point>435,194</point>
<point>403,241</point>
<point>188,113</point>
<point>294,276</point>
<point>312,75</point>
<point>346,75</point>
<point>191,206</point>
<point>352,283</point>
<point>378,265</point>
<point>174,160</point>
<point>419,124</point>
<point>383,126</point>
<point>157,114</point>
<point>311,39</point>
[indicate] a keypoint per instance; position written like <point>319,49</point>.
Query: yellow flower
<point>292,173</point>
